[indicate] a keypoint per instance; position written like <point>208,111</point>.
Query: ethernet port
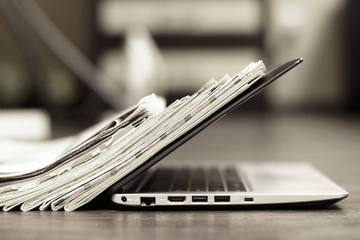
<point>147,201</point>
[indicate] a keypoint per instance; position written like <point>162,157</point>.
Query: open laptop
<point>245,184</point>
<point>120,151</point>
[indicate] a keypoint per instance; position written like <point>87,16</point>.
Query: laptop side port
<point>176,198</point>
<point>147,201</point>
<point>199,198</point>
<point>248,199</point>
<point>222,198</point>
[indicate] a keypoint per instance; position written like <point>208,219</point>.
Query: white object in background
<point>313,30</point>
<point>181,17</point>
<point>25,124</point>
<point>145,72</point>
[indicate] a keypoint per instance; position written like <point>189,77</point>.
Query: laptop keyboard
<point>188,180</point>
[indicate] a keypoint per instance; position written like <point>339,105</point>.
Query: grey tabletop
<point>330,143</point>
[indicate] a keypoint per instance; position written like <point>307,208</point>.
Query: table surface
<point>331,143</point>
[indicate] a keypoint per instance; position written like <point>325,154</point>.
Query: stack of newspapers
<point>97,159</point>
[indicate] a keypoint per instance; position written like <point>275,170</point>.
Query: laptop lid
<point>255,88</point>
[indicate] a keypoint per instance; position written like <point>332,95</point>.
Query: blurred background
<point>66,63</point>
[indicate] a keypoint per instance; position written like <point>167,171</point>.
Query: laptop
<point>226,184</point>
<point>238,184</point>
<point>120,155</point>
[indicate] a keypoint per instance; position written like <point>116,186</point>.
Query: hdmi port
<point>177,199</point>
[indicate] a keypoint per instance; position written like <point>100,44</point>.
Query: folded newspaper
<point>100,157</point>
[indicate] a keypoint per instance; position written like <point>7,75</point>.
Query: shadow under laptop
<point>229,208</point>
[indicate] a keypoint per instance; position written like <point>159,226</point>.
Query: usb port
<point>248,199</point>
<point>177,199</point>
<point>222,199</point>
<point>199,198</point>
<point>147,201</point>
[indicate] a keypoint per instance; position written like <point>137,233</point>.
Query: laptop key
<point>159,181</point>
<point>197,183</point>
<point>214,180</point>
<point>233,182</point>
<point>181,180</point>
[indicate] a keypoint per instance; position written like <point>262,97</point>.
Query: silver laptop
<point>125,151</point>
<point>246,184</point>
<point>288,184</point>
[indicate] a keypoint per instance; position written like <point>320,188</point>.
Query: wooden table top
<point>330,143</point>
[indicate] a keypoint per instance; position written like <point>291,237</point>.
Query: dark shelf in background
<point>190,41</point>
